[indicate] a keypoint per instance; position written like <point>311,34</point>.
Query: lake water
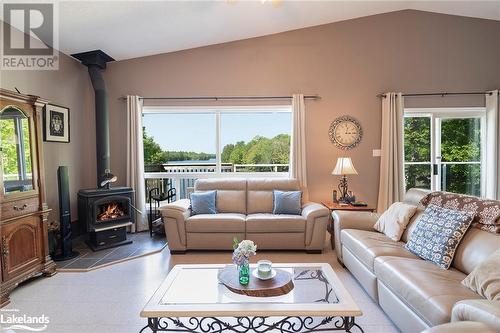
<point>212,160</point>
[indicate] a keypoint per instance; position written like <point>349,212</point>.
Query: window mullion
<point>437,154</point>
<point>218,167</point>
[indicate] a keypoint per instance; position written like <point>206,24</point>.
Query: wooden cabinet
<point>23,212</point>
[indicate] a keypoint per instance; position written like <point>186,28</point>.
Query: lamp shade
<point>344,167</point>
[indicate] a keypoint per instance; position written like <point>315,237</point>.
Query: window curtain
<point>493,144</point>
<point>298,165</point>
<point>135,161</point>
<point>391,181</point>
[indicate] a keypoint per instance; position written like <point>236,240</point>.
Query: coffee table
<point>191,299</point>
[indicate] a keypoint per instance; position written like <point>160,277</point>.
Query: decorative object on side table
<point>343,168</point>
<point>56,123</point>
<point>241,257</point>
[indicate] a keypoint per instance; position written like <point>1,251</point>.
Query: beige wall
<point>347,63</point>
<point>69,86</point>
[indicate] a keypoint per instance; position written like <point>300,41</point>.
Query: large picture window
<point>183,144</point>
<point>444,149</point>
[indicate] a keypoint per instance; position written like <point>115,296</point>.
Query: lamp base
<point>343,187</point>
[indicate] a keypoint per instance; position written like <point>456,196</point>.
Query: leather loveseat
<point>416,294</point>
<point>244,210</point>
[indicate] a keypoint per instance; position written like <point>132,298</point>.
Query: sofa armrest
<point>350,220</point>
<point>481,310</point>
<point>174,219</point>
<point>312,210</point>
<point>174,208</point>
<point>316,216</point>
<point>461,327</point>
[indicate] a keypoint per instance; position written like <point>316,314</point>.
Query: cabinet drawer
<point>19,207</point>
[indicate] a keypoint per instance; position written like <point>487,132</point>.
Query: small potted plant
<point>241,256</point>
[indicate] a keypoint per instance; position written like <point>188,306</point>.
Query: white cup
<point>264,268</point>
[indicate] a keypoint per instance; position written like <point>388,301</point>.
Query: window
<point>255,142</point>
<point>182,144</point>
<point>444,149</point>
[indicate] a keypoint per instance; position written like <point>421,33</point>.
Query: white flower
<point>242,253</point>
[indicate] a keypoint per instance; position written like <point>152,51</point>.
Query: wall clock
<point>345,132</point>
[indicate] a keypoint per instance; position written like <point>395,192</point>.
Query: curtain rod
<point>442,94</point>
<point>221,98</point>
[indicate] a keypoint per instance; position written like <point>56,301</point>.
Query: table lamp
<point>344,167</point>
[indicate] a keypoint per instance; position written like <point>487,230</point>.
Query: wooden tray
<point>281,284</point>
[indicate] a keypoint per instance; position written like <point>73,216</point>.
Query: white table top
<point>194,291</point>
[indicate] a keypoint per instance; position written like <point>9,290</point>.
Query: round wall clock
<point>345,132</point>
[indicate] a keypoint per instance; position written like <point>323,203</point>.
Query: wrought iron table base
<point>251,324</point>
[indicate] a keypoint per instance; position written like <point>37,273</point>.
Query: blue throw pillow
<point>203,202</point>
<point>288,202</point>
<point>438,233</point>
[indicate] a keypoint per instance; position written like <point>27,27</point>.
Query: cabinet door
<point>21,246</point>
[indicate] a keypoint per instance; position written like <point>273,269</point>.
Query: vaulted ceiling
<point>129,29</point>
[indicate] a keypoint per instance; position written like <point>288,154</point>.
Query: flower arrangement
<point>242,251</point>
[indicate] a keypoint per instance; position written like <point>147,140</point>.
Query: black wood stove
<point>106,213</point>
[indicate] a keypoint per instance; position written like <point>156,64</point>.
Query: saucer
<point>255,273</point>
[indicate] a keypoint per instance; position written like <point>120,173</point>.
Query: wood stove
<point>106,213</point>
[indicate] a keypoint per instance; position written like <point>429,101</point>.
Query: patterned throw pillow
<point>486,212</point>
<point>438,233</point>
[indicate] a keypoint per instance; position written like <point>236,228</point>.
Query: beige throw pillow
<point>485,278</point>
<point>394,220</point>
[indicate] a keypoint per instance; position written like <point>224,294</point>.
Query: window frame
<point>436,116</point>
<point>218,111</point>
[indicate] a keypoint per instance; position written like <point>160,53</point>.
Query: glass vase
<point>244,273</point>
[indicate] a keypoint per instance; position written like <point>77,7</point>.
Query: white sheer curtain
<point>493,144</point>
<point>135,161</point>
<point>391,182</point>
<point>298,163</point>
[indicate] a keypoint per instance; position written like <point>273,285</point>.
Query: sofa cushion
<point>427,289</point>
<point>287,202</point>
<point>261,223</point>
<point>394,220</point>
<point>260,193</point>
<point>486,212</point>
<point>367,245</point>
<point>231,193</point>
<point>438,233</point>
<point>485,278</point>
<point>222,222</point>
<point>203,203</point>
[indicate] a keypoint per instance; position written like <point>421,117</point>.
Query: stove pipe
<point>96,62</point>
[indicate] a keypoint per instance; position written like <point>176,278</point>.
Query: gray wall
<point>348,63</point>
<point>70,87</point>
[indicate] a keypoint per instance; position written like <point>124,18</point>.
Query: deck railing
<point>183,175</point>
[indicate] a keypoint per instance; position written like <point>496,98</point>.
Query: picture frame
<point>56,125</point>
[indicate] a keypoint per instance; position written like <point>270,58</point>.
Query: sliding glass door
<point>444,149</point>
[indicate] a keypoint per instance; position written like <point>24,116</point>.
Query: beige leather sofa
<point>244,211</point>
<point>416,294</point>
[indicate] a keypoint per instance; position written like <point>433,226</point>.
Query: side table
<point>336,206</point>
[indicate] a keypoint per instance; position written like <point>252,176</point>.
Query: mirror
<point>15,151</point>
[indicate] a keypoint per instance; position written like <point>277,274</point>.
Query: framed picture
<point>56,123</point>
